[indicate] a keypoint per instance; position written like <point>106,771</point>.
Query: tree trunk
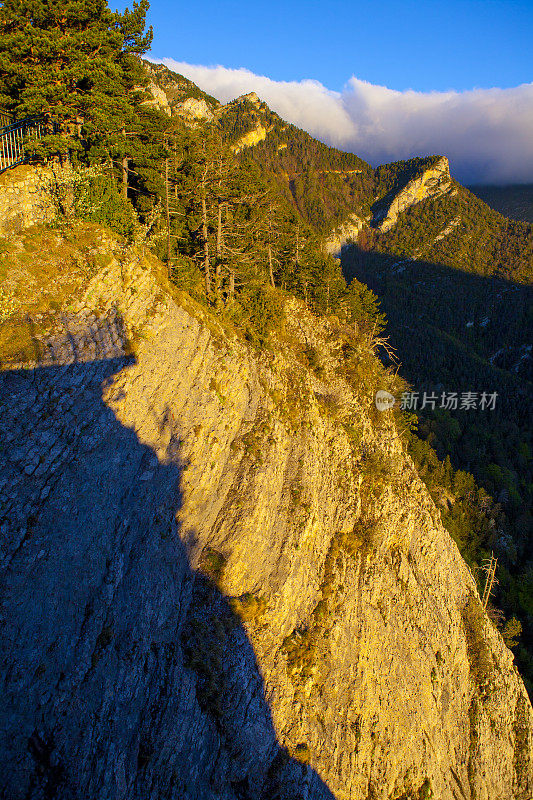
<point>231,290</point>
<point>124,171</point>
<point>168,217</point>
<point>219,248</point>
<point>207,270</point>
<point>270,267</point>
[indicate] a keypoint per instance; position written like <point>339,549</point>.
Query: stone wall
<point>31,195</point>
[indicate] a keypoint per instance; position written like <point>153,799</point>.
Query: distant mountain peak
<point>252,97</point>
<point>428,180</point>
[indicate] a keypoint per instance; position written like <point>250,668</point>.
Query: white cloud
<point>486,133</point>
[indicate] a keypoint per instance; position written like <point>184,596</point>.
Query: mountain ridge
<point>444,240</point>
<point>247,519</point>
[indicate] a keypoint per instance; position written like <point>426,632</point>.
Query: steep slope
<point>420,237</point>
<point>326,185</point>
<point>222,575</point>
<point>330,188</point>
<point>427,180</point>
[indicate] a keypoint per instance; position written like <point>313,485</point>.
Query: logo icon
<point>384,400</point>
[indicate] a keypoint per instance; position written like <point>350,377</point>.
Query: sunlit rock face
<point>346,233</point>
<point>256,135</point>
<point>158,99</point>
<point>433,182</point>
<point>223,578</point>
<point>197,109</point>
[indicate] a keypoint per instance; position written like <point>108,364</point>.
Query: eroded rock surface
<point>344,234</point>
<point>223,579</point>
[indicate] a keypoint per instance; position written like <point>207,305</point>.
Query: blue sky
<point>387,79</point>
<point>425,45</point>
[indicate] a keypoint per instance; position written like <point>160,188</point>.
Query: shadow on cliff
<point>125,671</point>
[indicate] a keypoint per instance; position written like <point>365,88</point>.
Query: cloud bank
<point>486,133</point>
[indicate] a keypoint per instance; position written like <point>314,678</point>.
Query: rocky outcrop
<point>433,182</point>
<point>158,99</point>
<point>344,234</point>
<point>254,136</point>
<point>172,94</point>
<point>195,109</point>
<point>222,578</point>
<point>252,98</point>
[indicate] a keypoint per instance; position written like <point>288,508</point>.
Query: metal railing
<point>14,137</point>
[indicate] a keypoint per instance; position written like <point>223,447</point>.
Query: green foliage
<point>74,62</point>
<point>260,312</point>
<point>212,564</point>
<point>477,340</point>
<point>514,201</point>
<point>300,650</point>
<point>425,792</point>
<point>480,241</point>
<point>363,307</point>
<point>98,200</point>
<point>248,606</point>
<point>468,512</point>
<point>479,653</point>
<point>302,753</point>
<point>511,632</point>
<point>77,65</point>
<point>321,183</point>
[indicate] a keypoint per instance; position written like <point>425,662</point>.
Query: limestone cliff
<point>222,576</point>
<point>175,94</point>
<point>345,233</point>
<point>432,182</point>
<point>256,135</point>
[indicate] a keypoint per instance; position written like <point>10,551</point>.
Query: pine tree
<point>75,62</point>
